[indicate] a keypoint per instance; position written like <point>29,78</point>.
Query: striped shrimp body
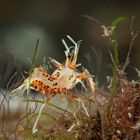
<point>65,77</point>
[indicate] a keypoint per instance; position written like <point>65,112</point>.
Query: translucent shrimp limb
<point>22,88</point>
<point>83,105</point>
<point>89,77</point>
<point>55,63</point>
<point>70,129</point>
<point>34,130</point>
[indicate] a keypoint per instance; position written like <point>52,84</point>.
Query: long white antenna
<point>66,46</point>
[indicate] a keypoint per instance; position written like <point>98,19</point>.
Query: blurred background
<point>22,22</point>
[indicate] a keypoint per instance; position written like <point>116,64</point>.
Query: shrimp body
<point>59,82</point>
<point>65,77</point>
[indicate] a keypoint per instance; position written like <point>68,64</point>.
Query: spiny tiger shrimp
<point>65,77</point>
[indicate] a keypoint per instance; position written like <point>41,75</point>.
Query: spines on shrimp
<point>71,57</point>
<point>23,87</point>
<point>56,63</point>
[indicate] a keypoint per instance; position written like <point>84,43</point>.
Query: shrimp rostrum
<point>65,77</point>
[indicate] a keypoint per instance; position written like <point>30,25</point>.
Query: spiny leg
<point>34,130</point>
<point>76,98</point>
<point>55,62</point>
<point>86,75</point>
<point>83,105</point>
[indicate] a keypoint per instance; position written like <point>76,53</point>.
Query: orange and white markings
<point>65,77</point>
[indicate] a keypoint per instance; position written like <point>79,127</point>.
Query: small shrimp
<point>65,77</point>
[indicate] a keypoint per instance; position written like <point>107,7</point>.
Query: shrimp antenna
<point>66,46</point>
<point>74,53</point>
<point>72,40</point>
